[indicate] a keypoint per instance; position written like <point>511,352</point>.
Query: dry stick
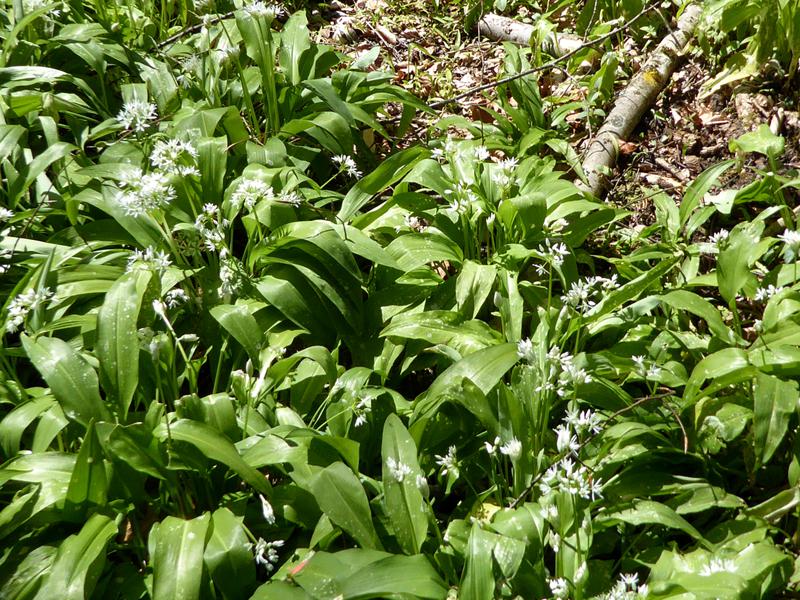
<point>634,101</point>
<point>501,29</point>
<point>547,65</point>
<point>194,29</point>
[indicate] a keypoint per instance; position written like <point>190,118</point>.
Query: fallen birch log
<point>503,29</point>
<point>634,101</point>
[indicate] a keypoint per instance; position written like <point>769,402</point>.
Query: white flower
<point>630,580</point>
<point>262,9</point>
<point>438,154</point>
<point>509,164</point>
<point>763,294</point>
<point>398,470</point>
<point>361,411</point>
<point>654,372</point>
<point>491,448</point>
<point>137,115</point>
<point>266,553</point>
<point>144,193</point>
<point>555,253</point>
<point>175,297</point>
<point>292,198</point>
<point>249,192</point>
<point>19,308</point>
<point>719,237</point>
<point>266,510</point>
<point>579,296</point>
<point>229,280</point>
<point>5,214</point>
<point>559,587</point>
<point>512,449</point>
<point>565,441</point>
<point>490,220</point>
<point>525,350</point>
<point>791,241</point>
<point>346,163</point>
<point>448,462</point>
<point>638,360</point>
<point>148,260</point>
<point>481,153</point>
<point>175,157</point>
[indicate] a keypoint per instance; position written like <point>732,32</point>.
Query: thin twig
<point>547,65</point>
<point>193,29</point>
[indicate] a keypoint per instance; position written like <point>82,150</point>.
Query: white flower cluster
<point>554,253</point>
<point>576,424</point>
<point>148,259</point>
<point>23,304</point>
<point>648,372</point>
<point>347,164</point>
<point>262,9</point>
<point>249,192</point>
<point>564,476</point>
<point>461,198</point>
<point>765,293</point>
<point>266,553</point>
<point>136,115</point>
<point>582,293</point>
<point>211,227</point>
<point>176,297</point>
<point>791,245</point>
<point>512,448</point>
<point>398,470</point>
<point>559,587</point>
<point>502,175</point>
<point>175,157</point>
<point>361,410</point>
<point>448,462</point>
<point>229,279</point>
<point>626,589</point>
<point>5,214</point>
<point>144,192</point>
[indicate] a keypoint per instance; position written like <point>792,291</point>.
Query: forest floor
<point>435,58</point>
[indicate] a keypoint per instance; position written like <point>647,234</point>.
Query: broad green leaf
<point>176,551</point>
<point>647,512</point>
<point>473,286</point>
<point>294,41</point>
<point>762,140</point>
<point>217,447</point>
<point>713,366</point>
<point>735,259</point>
<point>775,401</point>
<point>633,288</point>
<point>485,368</point>
<point>88,485</point>
<point>688,301</point>
<point>136,446</point>
<point>404,503</point>
<point>227,555</point>
<point>79,561</point>
<point>117,346</point>
<point>237,321</point>
<point>477,580</point>
<point>28,576</point>
<point>443,327</point>
<point>394,576</point>
<point>698,189</point>
<point>71,379</point>
<point>341,496</point>
<point>388,173</point>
